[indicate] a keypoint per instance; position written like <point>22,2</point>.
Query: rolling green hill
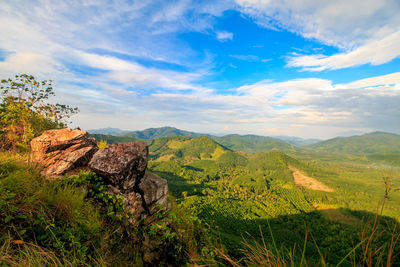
<point>107,131</point>
<point>245,143</point>
<point>150,133</point>
<point>253,143</point>
<point>238,194</point>
<point>297,141</point>
<point>372,143</point>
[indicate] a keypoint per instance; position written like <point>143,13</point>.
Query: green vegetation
<point>239,194</point>
<point>150,133</point>
<point>76,221</point>
<point>249,202</point>
<point>111,139</point>
<point>372,143</point>
<point>253,143</point>
<point>245,143</point>
<point>24,112</point>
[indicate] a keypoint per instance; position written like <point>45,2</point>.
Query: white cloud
<point>322,108</point>
<point>342,23</point>
<point>389,79</point>
<point>224,36</point>
<point>375,52</point>
<point>365,31</point>
<point>29,63</point>
<point>246,57</point>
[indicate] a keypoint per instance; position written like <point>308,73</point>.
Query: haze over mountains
<point>370,143</point>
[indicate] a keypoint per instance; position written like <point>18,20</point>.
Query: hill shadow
<point>333,238</point>
<point>177,184</point>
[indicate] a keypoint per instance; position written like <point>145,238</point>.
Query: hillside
<point>237,193</point>
<point>108,131</point>
<point>150,133</point>
<point>186,149</point>
<point>372,143</point>
<point>297,141</point>
<point>113,139</point>
<point>253,143</point>
<point>245,143</point>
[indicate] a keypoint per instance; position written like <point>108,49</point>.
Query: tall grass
<point>73,222</point>
<point>379,246</point>
<point>44,222</point>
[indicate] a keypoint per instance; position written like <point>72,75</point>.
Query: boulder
<point>155,192</point>
<point>122,165</point>
<point>62,150</point>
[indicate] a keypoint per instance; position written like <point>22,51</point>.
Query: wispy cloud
<point>355,27</point>
<point>224,36</point>
<point>384,50</point>
<point>246,57</point>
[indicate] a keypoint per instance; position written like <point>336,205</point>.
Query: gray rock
<point>155,191</point>
<point>123,165</point>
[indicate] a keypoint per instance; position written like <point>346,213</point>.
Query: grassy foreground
<point>74,221</point>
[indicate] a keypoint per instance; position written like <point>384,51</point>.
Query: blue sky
<point>300,68</point>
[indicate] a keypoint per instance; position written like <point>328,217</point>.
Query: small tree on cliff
<point>25,112</point>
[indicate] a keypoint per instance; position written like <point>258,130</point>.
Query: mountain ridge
<point>369,143</point>
<point>377,142</point>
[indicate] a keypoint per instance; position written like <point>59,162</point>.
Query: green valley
<point>254,196</point>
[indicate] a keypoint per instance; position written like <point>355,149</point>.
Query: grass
<point>75,221</point>
<point>46,214</point>
<point>369,251</point>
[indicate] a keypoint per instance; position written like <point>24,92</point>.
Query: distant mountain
<point>253,143</point>
<point>297,140</point>
<point>371,143</point>
<point>109,131</point>
<point>150,133</point>
<point>153,133</point>
<point>245,143</point>
<point>113,139</point>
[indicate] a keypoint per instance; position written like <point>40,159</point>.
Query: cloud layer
<point>129,65</point>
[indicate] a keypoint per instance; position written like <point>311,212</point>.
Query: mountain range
<point>370,143</point>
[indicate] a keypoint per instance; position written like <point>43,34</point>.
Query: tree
<point>25,112</point>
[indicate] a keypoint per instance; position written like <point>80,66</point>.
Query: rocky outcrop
<point>62,150</point>
<point>123,167</point>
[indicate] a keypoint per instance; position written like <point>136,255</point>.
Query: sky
<point>306,68</point>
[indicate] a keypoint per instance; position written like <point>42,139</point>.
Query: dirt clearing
<point>308,182</point>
